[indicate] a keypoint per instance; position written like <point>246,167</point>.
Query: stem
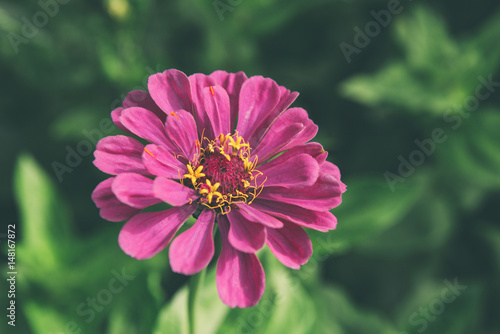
<point>194,284</point>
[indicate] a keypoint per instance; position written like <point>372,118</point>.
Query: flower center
<point>223,173</point>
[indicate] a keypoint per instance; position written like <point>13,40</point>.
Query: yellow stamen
<point>212,90</point>
<point>222,139</point>
<point>193,175</point>
<point>212,192</point>
<point>236,145</point>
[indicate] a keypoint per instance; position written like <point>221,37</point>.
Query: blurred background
<point>407,98</point>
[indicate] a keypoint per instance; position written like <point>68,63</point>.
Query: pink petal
<point>257,216</point>
<point>218,110</point>
<point>333,170</point>
<point>159,161</point>
<point>170,90</point>
<point>110,207</point>
<point>145,124</point>
<point>172,192</point>
<point>299,171</point>
<point>258,97</point>
<point>313,149</point>
<point>181,129</point>
<point>192,250</point>
<point>323,195</point>
<point>286,99</point>
<point>139,98</point>
<point>316,220</point>
<point>119,154</point>
<point>198,83</point>
<point>240,276</point>
<point>146,234</point>
<point>231,82</point>
<point>291,245</point>
<point>291,128</point>
<point>134,190</point>
<point>244,235</point>
<point>115,117</point>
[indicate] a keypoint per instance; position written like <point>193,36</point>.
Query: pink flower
<point>227,147</point>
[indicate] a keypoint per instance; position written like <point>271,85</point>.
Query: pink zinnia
<point>228,148</point>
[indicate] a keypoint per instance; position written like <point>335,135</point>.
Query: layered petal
<point>146,234</point>
<point>290,244</point>
<point>139,98</point>
<point>170,90</point>
<point>239,276</point>
<point>172,192</point>
<point>291,128</point>
<point>192,250</point>
<point>231,82</point>
<point>134,190</point>
<point>115,117</point>
<point>298,171</point>
<point>316,220</point>
<point>110,207</point>
<point>286,99</point>
<point>258,98</point>
<point>217,107</point>
<point>313,149</point>
<point>181,129</point>
<point>145,124</point>
<point>198,83</point>
<point>257,216</point>
<point>333,170</point>
<point>119,154</point>
<point>323,195</point>
<point>159,161</point>
<point>245,235</point>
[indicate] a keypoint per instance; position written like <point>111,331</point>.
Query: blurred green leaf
<point>425,39</point>
<point>368,208</point>
<point>44,319</point>
<point>70,125</point>
<point>43,213</point>
<point>210,312</point>
<point>339,316</point>
<point>471,153</point>
<point>423,229</point>
<point>437,73</point>
<point>451,306</point>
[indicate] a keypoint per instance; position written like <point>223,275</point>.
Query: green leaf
<point>210,312</point>
<point>425,39</point>
<point>485,46</point>
<point>471,154</point>
<point>44,319</point>
<point>423,229</point>
<point>436,308</point>
<point>338,315</point>
<point>368,208</point>
<point>293,309</point>
<point>44,217</point>
<point>437,73</point>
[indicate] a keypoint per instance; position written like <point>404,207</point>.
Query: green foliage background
<point>394,252</point>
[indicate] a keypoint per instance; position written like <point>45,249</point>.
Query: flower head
<point>228,147</point>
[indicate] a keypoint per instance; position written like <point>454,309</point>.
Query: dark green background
<point>394,250</point>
